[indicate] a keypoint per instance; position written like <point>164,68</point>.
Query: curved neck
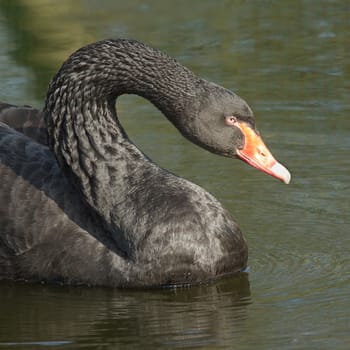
<point>90,145</point>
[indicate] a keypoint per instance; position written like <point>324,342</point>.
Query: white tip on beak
<point>281,172</point>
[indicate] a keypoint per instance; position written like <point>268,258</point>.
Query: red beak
<point>256,154</point>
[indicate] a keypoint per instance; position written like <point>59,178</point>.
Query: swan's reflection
<point>202,315</point>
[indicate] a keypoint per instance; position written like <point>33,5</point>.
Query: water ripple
<point>302,276</point>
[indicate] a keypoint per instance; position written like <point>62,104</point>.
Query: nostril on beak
<point>262,152</point>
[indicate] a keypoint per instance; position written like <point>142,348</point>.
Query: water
<point>290,61</point>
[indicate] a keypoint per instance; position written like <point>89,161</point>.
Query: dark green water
<point>290,61</point>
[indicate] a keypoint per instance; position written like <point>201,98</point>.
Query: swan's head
<point>225,125</point>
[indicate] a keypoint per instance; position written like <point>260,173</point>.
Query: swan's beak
<point>256,154</point>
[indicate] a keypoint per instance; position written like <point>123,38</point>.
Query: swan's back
<point>26,120</point>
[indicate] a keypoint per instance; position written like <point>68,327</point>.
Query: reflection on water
<point>289,60</point>
<point>157,319</point>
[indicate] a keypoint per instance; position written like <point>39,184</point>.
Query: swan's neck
<point>85,134</point>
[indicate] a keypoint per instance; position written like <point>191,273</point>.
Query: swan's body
<point>92,208</point>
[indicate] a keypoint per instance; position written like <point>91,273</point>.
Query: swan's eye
<point>231,120</point>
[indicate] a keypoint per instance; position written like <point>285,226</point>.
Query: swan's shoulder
<point>27,168</point>
<point>168,206</point>
<point>22,154</point>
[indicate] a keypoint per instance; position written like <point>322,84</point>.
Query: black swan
<point>81,204</point>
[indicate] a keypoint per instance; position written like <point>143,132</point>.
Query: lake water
<point>290,61</point>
